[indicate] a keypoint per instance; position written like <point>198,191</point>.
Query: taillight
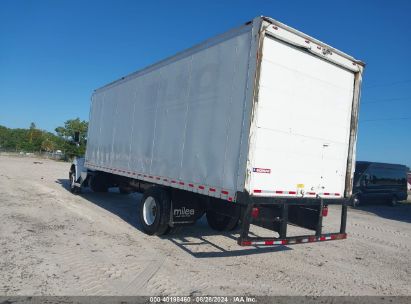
<point>255,212</point>
<point>325,211</point>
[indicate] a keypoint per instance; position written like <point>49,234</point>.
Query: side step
<point>291,240</point>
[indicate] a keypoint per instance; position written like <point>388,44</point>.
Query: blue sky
<point>54,53</point>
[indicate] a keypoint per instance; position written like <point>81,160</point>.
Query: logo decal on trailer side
<point>183,212</point>
<point>261,170</point>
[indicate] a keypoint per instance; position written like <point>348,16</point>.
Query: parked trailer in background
<point>257,126</point>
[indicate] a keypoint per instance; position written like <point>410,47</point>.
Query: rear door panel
<point>303,124</point>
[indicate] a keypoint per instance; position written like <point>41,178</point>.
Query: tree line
<point>33,139</point>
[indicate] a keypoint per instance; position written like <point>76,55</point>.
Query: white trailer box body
<point>263,109</point>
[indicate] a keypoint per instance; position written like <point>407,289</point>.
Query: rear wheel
<point>355,201</point>
<point>154,211</point>
<point>221,222</point>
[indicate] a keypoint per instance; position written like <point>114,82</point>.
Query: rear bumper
<point>277,213</point>
<point>291,240</point>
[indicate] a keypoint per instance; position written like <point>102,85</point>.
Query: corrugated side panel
<point>179,124</point>
<point>303,124</point>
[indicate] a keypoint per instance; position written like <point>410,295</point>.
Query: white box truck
<point>255,126</point>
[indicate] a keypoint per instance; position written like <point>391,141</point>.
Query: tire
<point>355,201</point>
<point>221,222</point>
<point>154,211</point>
<point>72,179</point>
<point>98,183</point>
<point>394,201</point>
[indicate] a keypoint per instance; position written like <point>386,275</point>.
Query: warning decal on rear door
<point>261,170</point>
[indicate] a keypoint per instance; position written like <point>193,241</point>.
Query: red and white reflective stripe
<point>275,192</point>
<point>330,194</point>
<point>194,187</point>
<point>309,239</point>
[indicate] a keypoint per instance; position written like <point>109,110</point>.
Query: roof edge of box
<point>297,32</point>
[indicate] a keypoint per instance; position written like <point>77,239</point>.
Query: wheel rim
<point>356,201</point>
<point>149,210</point>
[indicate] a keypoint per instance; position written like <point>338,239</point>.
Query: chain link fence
<point>56,155</point>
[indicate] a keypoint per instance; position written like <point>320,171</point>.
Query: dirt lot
<point>55,243</point>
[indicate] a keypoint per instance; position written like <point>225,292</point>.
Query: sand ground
<point>55,243</point>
